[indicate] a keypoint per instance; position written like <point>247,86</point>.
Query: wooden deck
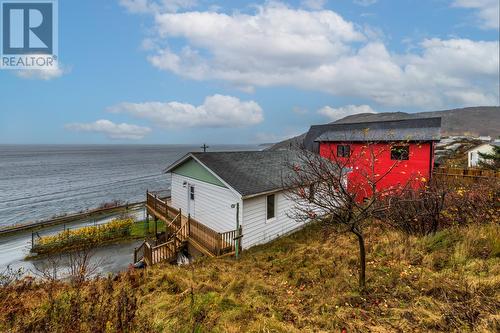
<point>183,229</point>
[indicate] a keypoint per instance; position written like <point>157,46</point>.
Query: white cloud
<point>43,73</point>
<point>319,50</point>
<point>488,11</point>
<point>365,3</point>
<point>344,111</point>
<point>313,4</point>
<point>111,130</point>
<point>216,111</point>
<point>153,7</point>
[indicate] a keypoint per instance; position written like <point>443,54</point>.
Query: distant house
<point>473,157</point>
<point>404,149</point>
<point>208,186</point>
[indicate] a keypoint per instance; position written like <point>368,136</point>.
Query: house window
<point>271,206</point>
<point>343,151</point>
<point>400,153</point>
<point>191,192</point>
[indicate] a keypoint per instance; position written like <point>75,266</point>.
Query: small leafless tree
<point>81,265</point>
<point>322,188</point>
<point>49,268</point>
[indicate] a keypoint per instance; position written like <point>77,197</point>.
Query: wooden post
<point>219,244</point>
<point>237,242</point>
<point>156,227</point>
<point>189,225</point>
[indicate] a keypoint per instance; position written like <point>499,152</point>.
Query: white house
<point>217,187</point>
<point>473,154</point>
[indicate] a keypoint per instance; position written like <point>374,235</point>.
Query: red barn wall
<point>416,169</point>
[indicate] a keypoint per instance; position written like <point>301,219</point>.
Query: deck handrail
<point>148,257</point>
<point>165,251</point>
<point>178,216</point>
<point>138,251</point>
<point>216,243</point>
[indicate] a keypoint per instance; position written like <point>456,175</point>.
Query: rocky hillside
<point>481,120</point>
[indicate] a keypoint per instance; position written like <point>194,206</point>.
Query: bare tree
<point>343,192</point>
<point>81,265</point>
<point>49,268</point>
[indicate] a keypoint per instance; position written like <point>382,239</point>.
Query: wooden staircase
<point>167,251</point>
<point>185,229</point>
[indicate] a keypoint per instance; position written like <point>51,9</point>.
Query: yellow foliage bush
<point>117,228</point>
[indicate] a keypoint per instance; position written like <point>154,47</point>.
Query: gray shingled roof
<point>248,172</point>
<point>420,129</point>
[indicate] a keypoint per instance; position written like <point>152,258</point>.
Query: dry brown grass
<point>306,282</point>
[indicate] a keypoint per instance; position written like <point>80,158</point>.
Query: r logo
<point>27,27</point>
<point>28,34</point>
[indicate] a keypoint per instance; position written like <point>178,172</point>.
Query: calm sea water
<point>40,181</point>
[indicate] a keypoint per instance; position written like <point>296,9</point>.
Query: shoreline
<point>96,212</point>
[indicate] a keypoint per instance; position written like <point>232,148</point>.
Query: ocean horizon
<point>40,181</point>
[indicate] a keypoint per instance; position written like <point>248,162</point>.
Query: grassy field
<point>306,282</point>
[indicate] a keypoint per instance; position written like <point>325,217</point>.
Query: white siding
<point>212,204</point>
<point>474,157</point>
<point>256,230</point>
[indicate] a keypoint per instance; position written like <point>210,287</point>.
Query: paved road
<point>110,259</point>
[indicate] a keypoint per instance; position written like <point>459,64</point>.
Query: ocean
<point>41,181</point>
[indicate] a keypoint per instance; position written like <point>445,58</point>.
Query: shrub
<point>442,204</point>
<point>117,228</point>
<point>102,305</point>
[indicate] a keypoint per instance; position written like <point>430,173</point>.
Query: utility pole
<point>204,147</point>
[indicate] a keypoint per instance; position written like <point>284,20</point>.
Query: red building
<point>392,154</point>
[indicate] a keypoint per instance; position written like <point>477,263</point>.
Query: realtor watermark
<point>28,34</point>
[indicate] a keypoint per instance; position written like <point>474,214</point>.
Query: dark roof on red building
<point>420,129</point>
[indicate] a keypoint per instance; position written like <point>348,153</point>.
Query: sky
<point>228,72</point>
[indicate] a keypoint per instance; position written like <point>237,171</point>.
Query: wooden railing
<point>159,205</point>
<point>203,235</point>
<point>165,252</point>
<point>148,258</point>
<point>139,252</point>
<point>153,254</point>
<point>215,242</point>
<point>187,228</point>
<point>228,241</point>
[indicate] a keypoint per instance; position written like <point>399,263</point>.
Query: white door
<point>191,195</point>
